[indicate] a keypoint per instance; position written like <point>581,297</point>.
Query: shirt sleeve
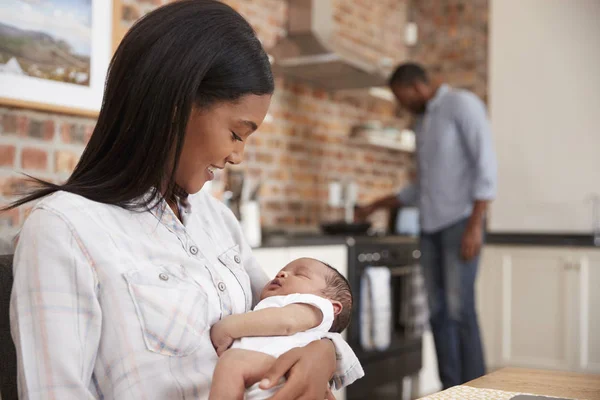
<point>348,367</point>
<point>409,195</point>
<point>474,125</point>
<point>55,314</point>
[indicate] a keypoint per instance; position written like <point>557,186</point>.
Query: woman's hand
<point>308,370</point>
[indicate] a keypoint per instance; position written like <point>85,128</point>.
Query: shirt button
<point>194,250</point>
<point>237,259</point>
<point>221,286</point>
<point>163,277</point>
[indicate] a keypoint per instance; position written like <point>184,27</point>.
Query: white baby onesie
<point>277,345</point>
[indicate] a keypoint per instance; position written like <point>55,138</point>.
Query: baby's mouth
<point>275,282</point>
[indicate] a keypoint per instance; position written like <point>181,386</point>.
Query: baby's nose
<point>282,274</point>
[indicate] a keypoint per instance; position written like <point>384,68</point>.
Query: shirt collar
<point>441,91</point>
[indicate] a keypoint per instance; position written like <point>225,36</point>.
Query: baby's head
<point>310,276</point>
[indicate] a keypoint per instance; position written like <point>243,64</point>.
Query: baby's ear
<point>337,307</point>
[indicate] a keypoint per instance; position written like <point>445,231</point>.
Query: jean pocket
<point>172,310</point>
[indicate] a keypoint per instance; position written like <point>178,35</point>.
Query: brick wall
<point>305,145</point>
<point>453,41</point>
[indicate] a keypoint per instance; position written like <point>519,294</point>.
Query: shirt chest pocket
<point>172,310</point>
<point>231,258</point>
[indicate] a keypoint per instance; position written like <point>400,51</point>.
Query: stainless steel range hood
<point>310,53</point>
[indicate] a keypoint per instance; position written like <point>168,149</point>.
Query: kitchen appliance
<point>345,228</point>
<point>385,370</point>
<point>312,51</point>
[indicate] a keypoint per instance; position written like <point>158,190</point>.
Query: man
<point>456,181</point>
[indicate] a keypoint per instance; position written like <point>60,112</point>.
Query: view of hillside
<point>42,56</point>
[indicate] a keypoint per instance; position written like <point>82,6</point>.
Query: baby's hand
<point>220,337</point>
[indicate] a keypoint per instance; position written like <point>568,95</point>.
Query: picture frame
<point>54,54</point>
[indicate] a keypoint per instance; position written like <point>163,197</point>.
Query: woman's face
<point>216,136</point>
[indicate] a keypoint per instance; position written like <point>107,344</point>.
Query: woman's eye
<point>236,137</point>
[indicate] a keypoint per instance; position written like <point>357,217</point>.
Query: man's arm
<point>475,128</point>
<point>272,321</point>
<point>473,236</point>
<point>407,197</point>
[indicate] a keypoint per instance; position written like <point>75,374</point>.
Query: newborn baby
<point>307,299</point>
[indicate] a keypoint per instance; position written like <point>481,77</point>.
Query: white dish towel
<point>375,308</point>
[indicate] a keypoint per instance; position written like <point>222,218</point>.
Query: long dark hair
<point>187,53</point>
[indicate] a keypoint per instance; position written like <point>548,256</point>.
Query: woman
<point>119,274</point>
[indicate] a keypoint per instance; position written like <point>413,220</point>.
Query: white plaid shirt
<point>113,304</point>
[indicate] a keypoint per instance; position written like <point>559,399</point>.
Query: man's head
<point>310,276</point>
<point>410,84</point>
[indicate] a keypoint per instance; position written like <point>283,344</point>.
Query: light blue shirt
<point>455,159</point>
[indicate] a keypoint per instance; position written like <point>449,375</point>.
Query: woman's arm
<point>55,314</point>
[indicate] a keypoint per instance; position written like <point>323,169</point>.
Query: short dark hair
<point>338,288</point>
<point>408,74</point>
<point>189,53</point>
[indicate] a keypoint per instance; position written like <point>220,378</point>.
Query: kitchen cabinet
<point>538,307</point>
<point>274,259</point>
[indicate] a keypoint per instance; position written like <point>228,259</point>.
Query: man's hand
<point>362,212</point>
<point>220,337</point>
<point>471,241</point>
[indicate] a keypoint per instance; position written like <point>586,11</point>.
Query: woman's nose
<point>236,156</point>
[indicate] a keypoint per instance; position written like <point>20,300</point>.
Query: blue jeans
<point>450,283</point>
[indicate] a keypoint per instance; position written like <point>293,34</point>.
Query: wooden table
<point>548,383</point>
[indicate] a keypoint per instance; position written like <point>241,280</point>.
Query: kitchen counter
<point>493,238</point>
<point>298,240</point>
<point>540,239</point>
<point>539,382</point>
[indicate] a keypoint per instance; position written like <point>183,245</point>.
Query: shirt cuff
<point>348,367</point>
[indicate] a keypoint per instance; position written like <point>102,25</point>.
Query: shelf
<point>382,139</point>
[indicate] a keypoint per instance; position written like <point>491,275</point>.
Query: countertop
<point>296,240</point>
<point>492,238</point>
<point>546,383</point>
<point>541,239</point>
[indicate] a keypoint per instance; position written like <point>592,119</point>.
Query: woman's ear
<point>337,307</point>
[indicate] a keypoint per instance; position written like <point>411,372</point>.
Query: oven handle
<point>402,271</point>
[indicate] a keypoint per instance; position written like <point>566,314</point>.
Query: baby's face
<point>303,275</point>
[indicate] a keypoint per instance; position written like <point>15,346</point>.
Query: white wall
<point>545,111</point>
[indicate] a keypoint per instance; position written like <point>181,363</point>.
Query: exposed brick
<point>9,219</point>
<point>65,161</point>
<point>9,123</point>
<point>305,145</point>
<point>130,13</point>
<point>13,186</point>
<point>76,133</point>
<point>34,159</point>
<point>22,125</point>
<point>449,41</point>
<point>43,130</point>
<point>7,155</point>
